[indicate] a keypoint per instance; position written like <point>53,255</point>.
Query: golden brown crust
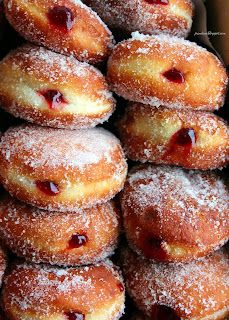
<point>30,72</point>
<point>85,237</point>
<point>137,67</point>
<point>161,135</point>
<point>78,162</point>
<point>88,40</point>
<point>138,15</point>
<point>195,290</point>
<point>44,292</point>
<point>174,215</point>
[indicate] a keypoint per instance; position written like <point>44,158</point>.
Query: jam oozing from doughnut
<point>163,2</point>
<point>152,248</point>
<point>74,316</point>
<point>181,143</point>
<point>48,187</point>
<point>77,240</point>
<point>121,287</point>
<point>185,137</point>
<point>174,75</point>
<point>54,98</point>
<point>161,312</point>
<point>61,17</point>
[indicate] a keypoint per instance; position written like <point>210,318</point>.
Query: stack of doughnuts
<point>174,214</point>
<point>59,218</point>
<point>66,199</point>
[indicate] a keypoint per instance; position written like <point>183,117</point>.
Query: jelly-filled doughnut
<point>2,264</point>
<point>83,237</point>
<point>172,17</point>
<point>174,215</point>
<point>192,139</point>
<point>65,26</point>
<point>44,292</point>
<point>167,71</point>
<point>194,290</point>
<point>53,90</point>
<point>57,169</point>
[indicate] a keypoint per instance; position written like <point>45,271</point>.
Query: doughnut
<point>173,17</point>
<point>61,170</point>
<point>53,90</point>
<point>2,264</point>
<point>194,290</point>
<point>167,71</point>
<point>51,293</point>
<point>191,139</point>
<point>65,26</point>
<point>85,237</point>
<point>173,215</point>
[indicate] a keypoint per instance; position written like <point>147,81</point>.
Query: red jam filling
<point>185,138</point>
<point>121,287</point>
<point>74,316</point>
<point>152,248</point>
<point>161,312</point>
<point>163,2</point>
<point>54,98</point>
<point>174,75</point>
<point>48,187</point>
<point>77,240</point>
<point>61,17</point>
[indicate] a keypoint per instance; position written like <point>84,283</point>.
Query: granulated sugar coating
<point>137,68</point>
<point>70,164</point>
<point>53,90</point>
<point>79,238</point>
<point>88,39</point>
<point>174,18</point>
<point>195,290</point>
<point>44,292</point>
<point>175,215</point>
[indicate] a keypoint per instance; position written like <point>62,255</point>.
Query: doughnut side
<point>53,90</point>
<point>2,264</point>
<point>43,292</point>
<point>65,26</point>
<point>175,18</point>
<point>196,290</point>
<point>194,140</point>
<point>167,71</point>
<point>85,237</point>
<point>174,215</point>
<point>84,167</point>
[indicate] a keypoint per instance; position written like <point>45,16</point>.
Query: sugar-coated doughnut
<point>174,215</point>
<point>50,293</point>
<point>2,264</point>
<point>192,139</point>
<point>65,26</point>
<point>57,169</point>
<point>167,71</point>
<point>194,290</point>
<point>172,17</point>
<point>84,237</point>
<point>53,90</point>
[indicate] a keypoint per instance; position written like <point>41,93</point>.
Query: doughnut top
<point>188,288</point>
<point>39,147</point>
<point>48,65</point>
<point>182,202</point>
<point>168,16</point>
<point>63,26</point>
<point>47,289</point>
